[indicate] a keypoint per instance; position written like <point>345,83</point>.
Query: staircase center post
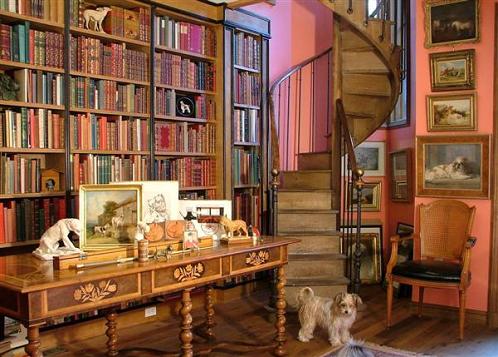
<point>358,183</point>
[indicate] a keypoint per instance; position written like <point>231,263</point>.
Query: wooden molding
<point>493,261</point>
<point>240,3</point>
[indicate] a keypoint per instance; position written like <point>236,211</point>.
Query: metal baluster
<point>357,176</point>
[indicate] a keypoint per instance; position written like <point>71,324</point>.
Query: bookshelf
<point>246,57</point>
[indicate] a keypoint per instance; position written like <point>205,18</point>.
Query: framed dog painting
<point>452,70</point>
<point>453,166</point>
<point>451,112</point>
<point>451,22</point>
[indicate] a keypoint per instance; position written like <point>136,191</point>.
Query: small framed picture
<point>370,196</point>
<point>109,215</point>
<point>185,105</point>
<point>451,112</point>
<point>370,157</point>
<point>401,177</point>
<point>451,22</point>
<point>404,229</point>
<point>452,70</point>
<point>453,166</point>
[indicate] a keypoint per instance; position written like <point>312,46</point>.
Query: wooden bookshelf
<point>6,65</point>
<point>19,244</point>
<point>189,54</point>
<point>31,150</point>
<point>41,24</point>
<point>109,112</point>
<point>32,195</point>
<point>247,69</point>
<point>15,103</point>
<point>182,119</point>
<point>109,78</point>
<point>185,89</point>
<point>185,154</point>
<point>246,106</point>
<point>110,152</point>
<point>105,37</point>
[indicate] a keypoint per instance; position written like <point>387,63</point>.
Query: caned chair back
<point>445,226</point>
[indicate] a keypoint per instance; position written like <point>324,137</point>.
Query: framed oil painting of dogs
<point>452,70</point>
<point>451,112</point>
<point>453,166</point>
<point>109,215</point>
<point>451,21</point>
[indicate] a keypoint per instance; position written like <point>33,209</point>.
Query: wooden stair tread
<point>360,49</point>
<point>370,93</point>
<point>365,71</point>
<point>315,152</point>
<point>360,114</point>
<point>323,255</point>
<point>306,211</point>
<point>317,280</point>
<point>322,190</point>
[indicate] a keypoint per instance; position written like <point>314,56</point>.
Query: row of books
<point>247,88</point>
<point>31,128</point>
<point>177,71</point>
<point>50,10</point>
<point>198,195</point>
<point>92,132</point>
<point>108,95</point>
<point>128,23</point>
<point>168,99</point>
<point>245,125</point>
<point>91,55</point>
<point>247,51</point>
<point>245,167</point>
<point>246,208</point>
<point>39,87</point>
<point>19,43</point>
<point>189,171</point>
<point>99,169</point>
<point>185,137</point>
<point>185,36</point>
<point>20,174</point>
<point>25,220</point>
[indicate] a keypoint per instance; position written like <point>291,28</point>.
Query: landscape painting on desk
<point>109,215</point>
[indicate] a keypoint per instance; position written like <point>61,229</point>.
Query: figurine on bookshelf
<point>49,241</point>
<point>8,87</point>
<point>237,227</point>
<point>97,16</point>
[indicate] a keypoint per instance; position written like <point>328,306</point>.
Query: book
<point>185,137</point>
<point>189,172</point>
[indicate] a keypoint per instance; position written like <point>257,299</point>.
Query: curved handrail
<point>273,147</point>
<point>346,133</point>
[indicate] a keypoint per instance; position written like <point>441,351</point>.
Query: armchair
<point>445,246</point>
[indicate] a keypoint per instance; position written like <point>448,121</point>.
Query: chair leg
<point>462,314</point>
<point>389,302</point>
<point>420,301</point>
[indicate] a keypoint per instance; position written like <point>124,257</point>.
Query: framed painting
<point>451,112</point>
<point>453,166</point>
<point>452,70</point>
<point>450,22</point>
<point>370,198</point>
<point>370,157</point>
<point>109,215</point>
<point>401,175</point>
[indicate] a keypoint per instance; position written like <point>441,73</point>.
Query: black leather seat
<point>429,270</point>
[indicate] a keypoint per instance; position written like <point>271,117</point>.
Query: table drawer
<point>255,260</point>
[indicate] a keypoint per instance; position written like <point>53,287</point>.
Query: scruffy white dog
<point>456,170</point>
<point>335,315</point>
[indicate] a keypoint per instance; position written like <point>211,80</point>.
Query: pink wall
<point>477,293</point>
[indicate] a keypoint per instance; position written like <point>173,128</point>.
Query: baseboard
<point>450,312</point>
<point>493,320</point>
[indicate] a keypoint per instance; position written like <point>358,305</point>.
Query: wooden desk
<point>33,292</point>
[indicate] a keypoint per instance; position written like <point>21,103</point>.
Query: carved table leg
<point>186,328</point>
<point>209,307</point>
<point>33,347</point>
<point>112,337</point>
<point>280,305</point>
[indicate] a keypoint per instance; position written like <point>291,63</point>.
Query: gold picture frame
<point>451,112</point>
<point>370,198</point>
<point>109,215</point>
<point>401,175</point>
<point>453,166</point>
<point>450,22</point>
<point>452,70</point>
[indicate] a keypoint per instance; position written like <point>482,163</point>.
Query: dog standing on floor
<point>335,315</point>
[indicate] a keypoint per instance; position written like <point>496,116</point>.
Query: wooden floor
<point>247,321</point>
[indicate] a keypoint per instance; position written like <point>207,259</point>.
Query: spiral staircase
<point>365,78</point>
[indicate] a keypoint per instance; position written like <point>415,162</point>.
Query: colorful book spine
<point>50,10</point>
<point>185,137</point>
<point>247,88</point>
<point>204,106</point>
<point>189,172</point>
<point>198,195</point>
<point>247,208</point>
<point>247,51</point>
<point>39,87</point>
<point>245,125</point>
<point>245,167</point>
<point>20,173</point>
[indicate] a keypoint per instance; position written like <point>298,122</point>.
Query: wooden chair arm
<point>464,276</point>
<point>395,240</point>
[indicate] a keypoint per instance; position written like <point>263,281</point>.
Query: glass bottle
<point>190,238</point>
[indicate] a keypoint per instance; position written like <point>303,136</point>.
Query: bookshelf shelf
<point>182,119</point>
<point>183,53</point>
<point>19,244</point>
<point>6,65</point>
<point>8,196</point>
<point>110,152</point>
<point>109,78</point>
<point>197,188</point>
<point>39,23</point>
<point>32,150</point>
<point>183,89</point>
<point>109,112</point>
<point>247,69</point>
<point>245,186</point>
<point>15,103</point>
<point>246,106</point>
<point>241,143</point>
<point>107,37</point>
<point>195,154</point>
